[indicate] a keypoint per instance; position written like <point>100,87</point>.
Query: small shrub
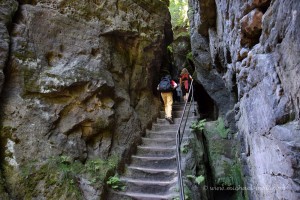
<point>170,49</point>
<point>178,198</point>
<point>197,179</point>
<point>198,126</point>
<point>184,148</point>
<point>115,183</point>
<point>223,132</point>
<point>189,56</point>
<point>98,168</point>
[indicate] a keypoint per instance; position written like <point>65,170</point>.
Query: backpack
<point>165,85</point>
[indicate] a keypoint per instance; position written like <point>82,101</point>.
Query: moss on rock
<point>223,158</point>
<point>57,178</point>
<point>3,194</point>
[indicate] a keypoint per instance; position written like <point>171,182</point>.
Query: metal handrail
<point>179,137</point>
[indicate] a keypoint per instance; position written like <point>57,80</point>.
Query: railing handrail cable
<point>179,138</point>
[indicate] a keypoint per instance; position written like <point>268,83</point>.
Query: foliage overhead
<point>178,10</point>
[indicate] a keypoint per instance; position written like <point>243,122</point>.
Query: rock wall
<point>181,47</point>
<point>80,78</point>
<point>7,9</point>
<point>209,71</point>
<point>247,58</point>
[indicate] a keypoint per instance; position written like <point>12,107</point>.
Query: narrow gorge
<point>78,93</point>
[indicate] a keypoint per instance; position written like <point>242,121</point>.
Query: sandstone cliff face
<point>80,77</point>
<point>181,47</point>
<point>209,68</point>
<point>7,8</point>
<point>247,53</point>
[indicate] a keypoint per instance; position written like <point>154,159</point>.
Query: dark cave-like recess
<point>206,105</point>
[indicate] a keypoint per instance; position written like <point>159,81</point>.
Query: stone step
<point>156,151</point>
<point>156,162</point>
<point>167,134</point>
<point>161,142</point>
<point>147,173</point>
<point>152,173</point>
<point>183,103</point>
<point>176,120</point>
<point>181,107</point>
<point>176,108</point>
<point>177,114</point>
<point>165,127</point>
<point>161,134</point>
<point>141,196</point>
<point>149,187</point>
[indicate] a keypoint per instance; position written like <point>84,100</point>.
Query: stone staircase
<point>152,173</point>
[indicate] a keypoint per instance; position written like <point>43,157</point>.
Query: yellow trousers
<point>168,102</point>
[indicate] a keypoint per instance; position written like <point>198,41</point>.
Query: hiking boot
<point>169,119</point>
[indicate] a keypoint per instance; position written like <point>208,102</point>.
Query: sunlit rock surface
<point>253,51</point>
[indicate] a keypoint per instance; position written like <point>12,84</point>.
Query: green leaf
<point>190,176</point>
<point>199,179</point>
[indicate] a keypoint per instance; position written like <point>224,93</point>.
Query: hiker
<point>184,82</point>
<point>166,87</point>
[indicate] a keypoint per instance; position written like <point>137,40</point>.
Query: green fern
<point>198,126</point>
<point>115,183</point>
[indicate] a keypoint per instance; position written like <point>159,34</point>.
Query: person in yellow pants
<point>168,102</point>
<point>166,87</point>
